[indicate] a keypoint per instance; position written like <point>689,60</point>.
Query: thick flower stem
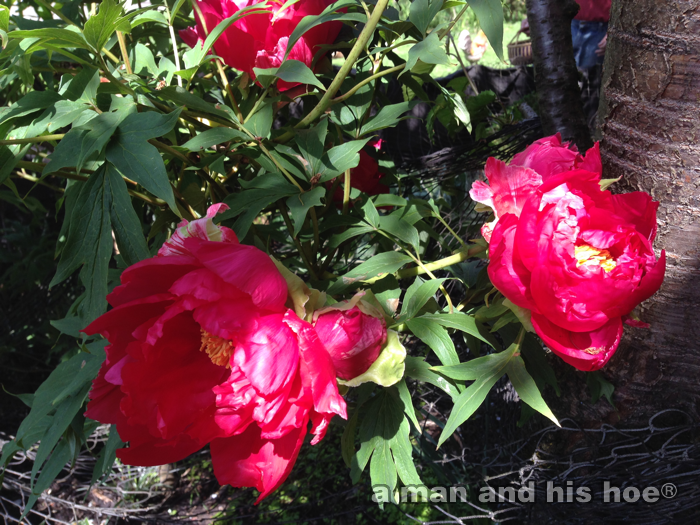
<point>32,140</point>
<point>346,192</point>
<point>458,257</point>
<point>125,53</point>
<point>354,54</point>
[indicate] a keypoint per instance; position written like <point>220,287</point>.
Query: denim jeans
<point>586,37</point>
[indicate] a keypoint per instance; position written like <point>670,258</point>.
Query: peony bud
<point>353,333</point>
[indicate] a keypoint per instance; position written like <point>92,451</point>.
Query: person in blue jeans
<point>589,31</point>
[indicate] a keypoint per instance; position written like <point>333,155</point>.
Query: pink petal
<point>248,460</point>
<point>587,351</point>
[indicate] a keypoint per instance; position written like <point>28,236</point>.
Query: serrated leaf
<point>526,388</point>
<point>212,137</point>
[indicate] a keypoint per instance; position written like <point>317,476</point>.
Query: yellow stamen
<point>218,349</point>
<point>587,254</point>
<point>592,350</point>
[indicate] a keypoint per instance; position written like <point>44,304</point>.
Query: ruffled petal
<point>587,351</point>
<point>249,460</point>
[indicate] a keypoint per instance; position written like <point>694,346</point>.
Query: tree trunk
<point>650,119</point>
<point>556,76</point>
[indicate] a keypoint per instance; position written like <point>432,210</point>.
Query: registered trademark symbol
<point>668,490</point>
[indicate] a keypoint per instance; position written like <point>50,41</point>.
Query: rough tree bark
<point>556,76</point>
<point>651,137</point>
<point>650,120</point>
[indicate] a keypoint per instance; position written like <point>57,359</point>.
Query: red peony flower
<point>366,177</point>
<point>579,258</point>
<point>353,333</point>
<point>260,40</point>
<point>203,351</point>
<point>510,186</point>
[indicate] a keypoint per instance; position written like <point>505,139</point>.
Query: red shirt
<point>594,10</point>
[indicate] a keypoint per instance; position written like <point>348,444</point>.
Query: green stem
<point>344,72</point>
<point>32,140</point>
<point>458,257</point>
<point>444,223</point>
<point>366,81</point>
<point>346,192</point>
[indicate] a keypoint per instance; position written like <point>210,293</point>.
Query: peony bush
<point>252,260</point>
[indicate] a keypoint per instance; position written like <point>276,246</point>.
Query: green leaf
<point>257,195</point>
<point>429,51</point>
<point>537,364</point>
<point>66,379</point>
<point>418,294</point>
<point>65,412</point>
<point>138,160</point>
<point>61,114</point>
<point>296,71</point>
<point>55,36</point>
<point>299,205</point>
<point>490,15</point>
<point>407,403</point>
<point>214,136</point>
<point>260,123</point>
<point>599,386</point>
<point>89,242</point>
<point>399,228</point>
<point>384,436</point>
<point>327,15</point>
<point>83,143</point>
<point>311,144</point>
<point>526,388</point>
<point>381,264</point>
<point>107,455</point>
<point>182,97</point>
<point>340,158</point>
<point>417,368</point>
<point>4,19</point>
<point>31,103</point>
<point>370,213</point>
<point>388,116</point>
<point>422,13</point>
<point>125,223</point>
<point>436,337</point>
<point>464,323</point>
<point>470,400</point>
<point>99,28</point>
